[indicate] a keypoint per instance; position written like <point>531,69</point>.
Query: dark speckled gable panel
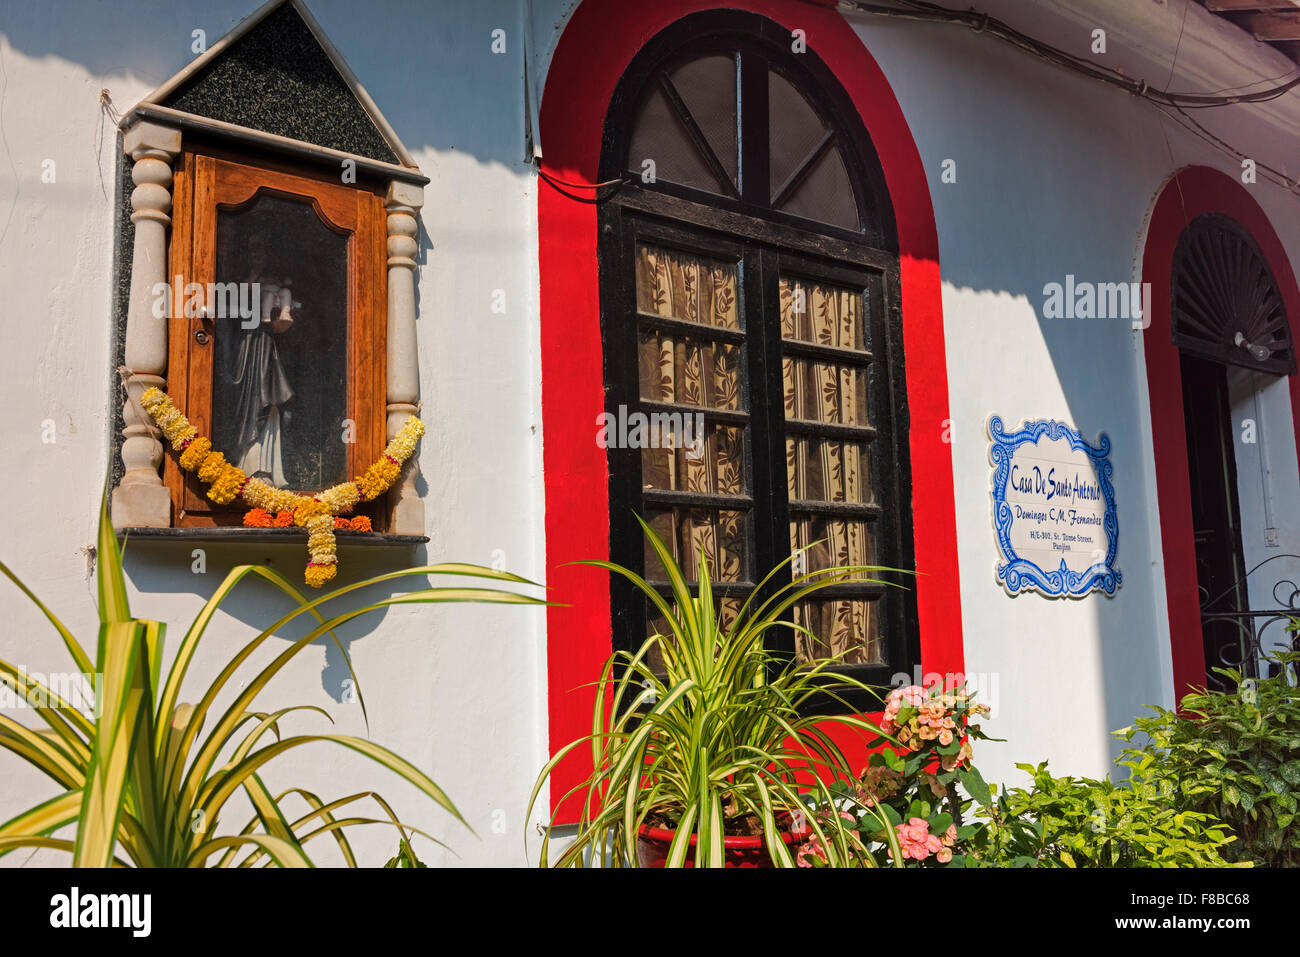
<point>276,78</point>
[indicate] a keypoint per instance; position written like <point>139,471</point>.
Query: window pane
<point>660,137</point>
<point>832,623</point>
<point>693,535</point>
<point>828,470</point>
<point>684,286</point>
<point>794,127</point>
<point>708,88</point>
<point>825,392</point>
<point>711,461</point>
<point>280,364</point>
<point>823,314</point>
<point>690,371</point>
<point>835,468</point>
<point>825,194</point>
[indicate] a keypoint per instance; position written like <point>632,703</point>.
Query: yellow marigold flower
<point>308,508</point>
<point>227,486</point>
<point>153,397</point>
<point>211,467</point>
<point>378,478</point>
<point>340,498</point>
<point>195,453</point>
<point>318,575</point>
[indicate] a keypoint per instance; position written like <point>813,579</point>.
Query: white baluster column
<point>141,498</point>
<point>403,204</point>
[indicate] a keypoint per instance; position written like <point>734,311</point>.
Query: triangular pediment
<point>277,73</point>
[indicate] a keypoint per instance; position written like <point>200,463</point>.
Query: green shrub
<point>1235,755</point>
<point>1081,822</point>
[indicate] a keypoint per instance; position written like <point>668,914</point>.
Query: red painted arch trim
<point>600,40</point>
<point>1193,192</point>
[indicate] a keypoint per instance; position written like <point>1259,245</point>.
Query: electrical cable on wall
<point>563,186</point>
<point>922,10</point>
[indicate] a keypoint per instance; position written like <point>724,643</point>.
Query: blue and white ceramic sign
<point>1053,510</point>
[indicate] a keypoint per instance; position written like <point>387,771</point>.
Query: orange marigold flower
<point>283,519</point>
<point>361,523</point>
<point>257,518</point>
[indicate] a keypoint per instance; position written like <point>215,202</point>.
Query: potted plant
<point>146,778</point>
<point>708,760</point>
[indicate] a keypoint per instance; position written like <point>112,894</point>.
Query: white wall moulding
<point>1054,510</point>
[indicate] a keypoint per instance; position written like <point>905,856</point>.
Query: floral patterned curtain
<point>689,327</point>
<point>821,468</point>
<point>686,372</point>
<point>692,372</point>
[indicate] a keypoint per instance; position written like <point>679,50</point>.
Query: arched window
<point>752,334</point>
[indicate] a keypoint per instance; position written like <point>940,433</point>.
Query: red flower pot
<point>652,848</point>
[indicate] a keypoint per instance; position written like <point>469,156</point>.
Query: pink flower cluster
<point>878,783</point>
<point>811,851</point>
<point>918,843</point>
<point>935,718</point>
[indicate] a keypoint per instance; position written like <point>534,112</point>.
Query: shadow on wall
<point>155,567</point>
<point>471,100</point>
<point>1051,176</point>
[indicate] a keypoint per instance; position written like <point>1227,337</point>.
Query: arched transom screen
<point>752,333</point>
<point>689,131</point>
<point>1226,302</point>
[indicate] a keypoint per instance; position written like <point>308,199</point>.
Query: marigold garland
<point>272,507</point>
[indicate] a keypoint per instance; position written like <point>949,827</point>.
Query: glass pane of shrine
<point>279,377</point>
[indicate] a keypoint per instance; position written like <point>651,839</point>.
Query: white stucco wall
<point>1055,175</point>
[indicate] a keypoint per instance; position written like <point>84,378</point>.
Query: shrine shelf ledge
<point>264,536</point>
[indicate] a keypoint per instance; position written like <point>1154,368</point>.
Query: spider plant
<point>718,734</point>
<point>142,782</point>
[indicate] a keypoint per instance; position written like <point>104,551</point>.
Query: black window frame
<point>767,244</point>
